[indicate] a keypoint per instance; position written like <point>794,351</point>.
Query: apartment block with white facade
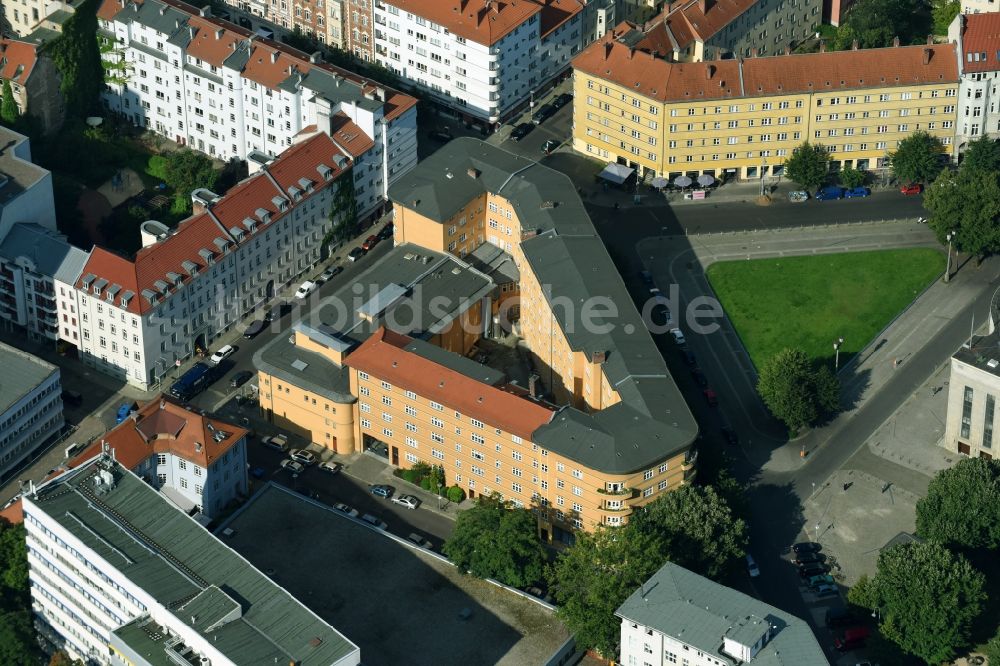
<point>199,463</point>
<point>977,37</point>
<point>119,575</point>
<point>483,58</point>
<point>217,88</point>
<point>31,408</point>
<point>138,317</point>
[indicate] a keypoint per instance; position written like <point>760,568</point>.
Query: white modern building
<point>484,58</point>
<point>198,463</point>
<point>979,6</point>
<point>139,317</point>
<point>119,576</point>
<point>978,48</point>
<point>678,617</point>
<point>217,88</point>
<point>25,187</point>
<point>31,408</point>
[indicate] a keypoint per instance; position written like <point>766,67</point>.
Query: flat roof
<point>983,353</point>
<point>176,561</point>
<point>19,174</point>
<point>22,374</point>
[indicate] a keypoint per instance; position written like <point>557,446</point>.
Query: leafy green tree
<point>60,658</point>
<point>982,154</point>
<point>592,578</point>
<point>927,599</point>
<point>796,392</point>
<point>77,56</point>
<point>876,23</point>
<point>456,494</point>
<point>968,203</point>
<point>943,12</point>
<point>696,529</point>
<point>186,171</point>
<point>809,165</point>
<point>961,505</point>
<point>851,177</point>
<point>9,112</point>
<point>18,645</point>
<point>992,650</point>
<point>344,211</point>
<point>917,159</point>
<point>496,540</point>
<point>14,555</point>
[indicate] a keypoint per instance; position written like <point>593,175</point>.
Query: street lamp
<point>763,167</point>
<point>947,271</point>
<point>836,353</point>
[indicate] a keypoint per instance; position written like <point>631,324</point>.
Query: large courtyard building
<point>977,39</point>
<point>120,576</point>
<point>217,88</point>
<point>743,117</point>
<point>491,247</point>
<point>31,408</point>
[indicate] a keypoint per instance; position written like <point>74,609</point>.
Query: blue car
<point>857,192</point>
<point>829,193</point>
<point>124,411</point>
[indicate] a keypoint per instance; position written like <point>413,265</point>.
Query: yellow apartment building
<point>742,118</point>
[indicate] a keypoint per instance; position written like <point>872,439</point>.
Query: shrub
<point>426,483</point>
<point>455,494</point>
<point>157,167</point>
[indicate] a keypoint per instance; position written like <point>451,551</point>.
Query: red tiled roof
<point>349,136</point>
<point>481,21</point>
<point>17,59</point>
<point>213,43</point>
<point>557,12</point>
<point>162,426</point>
<point>13,514</point>
<point>116,270</point>
<point>716,15</point>
<point>383,355</point>
<point>981,42</point>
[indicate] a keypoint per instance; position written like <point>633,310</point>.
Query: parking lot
<point>399,604</point>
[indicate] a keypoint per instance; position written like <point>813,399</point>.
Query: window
<point>967,412</point>
<point>647,475</point>
<point>161,459</point>
<point>988,422</point>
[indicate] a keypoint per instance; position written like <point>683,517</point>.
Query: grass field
<point>808,302</point>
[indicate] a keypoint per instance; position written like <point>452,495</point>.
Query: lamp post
<point>947,271</point>
<point>763,167</point>
<point>836,353</point>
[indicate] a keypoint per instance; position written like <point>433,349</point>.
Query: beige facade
<point>973,391</point>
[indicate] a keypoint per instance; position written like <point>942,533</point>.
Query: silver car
<point>409,501</point>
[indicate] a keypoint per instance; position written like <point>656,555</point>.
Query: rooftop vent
<point>992,363</point>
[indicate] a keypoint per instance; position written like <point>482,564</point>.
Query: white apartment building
<point>138,317</point>
<point>25,187</point>
<point>978,48</point>
<point>483,58</point>
<point>217,88</point>
<point>979,6</point>
<point>119,576</point>
<point>198,463</point>
<point>31,408</point>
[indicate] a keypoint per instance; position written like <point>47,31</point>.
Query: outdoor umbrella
<point>659,182</point>
<point>706,179</point>
<point>682,181</point>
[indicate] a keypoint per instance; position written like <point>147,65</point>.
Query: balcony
<point>690,458</point>
<point>626,493</point>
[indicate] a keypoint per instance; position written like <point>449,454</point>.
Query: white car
<point>293,466</point>
<point>306,288</point>
<point>409,501</point>
<point>222,354</point>
<point>678,336</point>
<point>302,456</point>
<point>331,467</point>
<point>346,510</point>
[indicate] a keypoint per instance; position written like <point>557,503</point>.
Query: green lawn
<point>808,302</point>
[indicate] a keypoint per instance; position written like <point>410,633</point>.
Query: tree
<point>943,12</point>
<point>696,529</point>
<point>982,154</point>
<point>851,177</point>
<point>76,54</point>
<point>60,658</point>
<point>968,203</point>
<point>456,494</point>
<point>9,112</point>
<point>809,165</point>
<point>592,578</point>
<point>186,171</point>
<point>960,508</point>
<point>992,650</point>
<point>927,598</point>
<point>876,24</point>
<point>917,159</point>
<point>796,392</point>
<point>495,540</point>
<point>18,645</point>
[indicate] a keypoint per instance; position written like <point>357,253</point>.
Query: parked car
<point>370,243</point>
<point>699,377</point>
<point>912,188</point>
<point>331,272</point>
<point>240,378</point>
<point>710,397</point>
<point>382,490</point>
<point>730,435</point>
<point>409,501</point>
<point>521,131</point>
<point>331,467</point>
<point>420,541</point>
<point>840,616</point>
<point>343,508</point>
<point>372,520</point>
<point>549,146</point>
<point>647,278</point>
<point>124,410</point>
<point>254,329</point>
<point>72,398</point>
<point>385,233</point>
<point>222,354</point>
<point>852,639</point>
<point>302,456</point>
<point>810,557</point>
<point>857,193</point>
<point>689,357</point>
<point>276,442</point>
<point>258,472</point>
<point>752,566</point>
<point>441,135</point>
<point>797,196</point>
<point>807,571</point>
<point>277,311</point>
<point>822,579</point>
<point>807,547</point>
<point>826,590</point>
<point>678,336</point>
<point>829,193</point>
<point>561,100</point>
<point>306,288</point>
<point>356,254</point>
<point>293,466</point>
<point>543,113</point>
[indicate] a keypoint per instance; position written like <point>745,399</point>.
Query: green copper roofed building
<point>120,576</point>
<point>679,617</point>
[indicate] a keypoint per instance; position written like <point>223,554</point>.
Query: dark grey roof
<point>306,369</point>
<point>568,256</point>
<point>47,250</point>
<point>22,374</point>
<point>701,613</point>
<point>337,89</point>
<point>177,562</point>
<point>458,363</point>
<point>20,174</point>
<point>983,353</point>
<point>154,14</point>
<point>491,260</point>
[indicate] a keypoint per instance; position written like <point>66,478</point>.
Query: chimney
<point>163,10</point>
<point>930,40</point>
<point>854,45</point>
<point>598,357</point>
<point>895,41</point>
<point>608,47</point>
<point>709,72</point>
<point>703,6</point>
<point>473,173</point>
<point>631,52</point>
<point>822,46</point>
<point>788,50</point>
<point>205,12</point>
<point>753,51</point>
<point>927,56</point>
<point>534,386</point>
<point>316,57</point>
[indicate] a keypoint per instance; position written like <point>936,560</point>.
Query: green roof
<point>703,614</point>
<point>652,422</point>
<point>202,582</point>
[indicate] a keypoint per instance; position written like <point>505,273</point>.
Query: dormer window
<point>263,215</point>
<point>207,255</point>
<point>250,224</point>
<point>126,297</point>
<point>190,267</point>
<point>325,172</point>
<point>306,185</point>
<point>280,203</point>
<point>295,193</point>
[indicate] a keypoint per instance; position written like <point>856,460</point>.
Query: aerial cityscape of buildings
<point>437,273</point>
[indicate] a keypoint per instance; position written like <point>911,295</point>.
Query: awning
<point>616,173</point>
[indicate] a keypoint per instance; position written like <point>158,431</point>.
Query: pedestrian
<point>895,363</point>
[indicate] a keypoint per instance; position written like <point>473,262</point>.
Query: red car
<point>370,242</point>
<point>710,396</point>
<point>912,188</point>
